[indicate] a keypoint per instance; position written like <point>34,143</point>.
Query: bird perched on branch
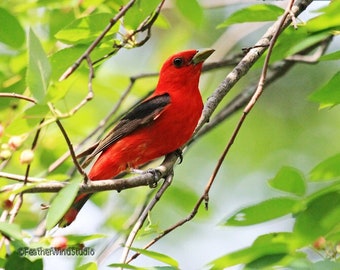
<point>157,126</point>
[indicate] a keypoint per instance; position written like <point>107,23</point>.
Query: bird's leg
<point>136,171</point>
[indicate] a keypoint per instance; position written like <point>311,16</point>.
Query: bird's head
<point>184,67</point>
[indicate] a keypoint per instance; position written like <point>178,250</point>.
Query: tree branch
<point>139,223</point>
<point>145,179</point>
<point>18,96</point>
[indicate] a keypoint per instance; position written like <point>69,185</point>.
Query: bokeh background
<point>284,129</point>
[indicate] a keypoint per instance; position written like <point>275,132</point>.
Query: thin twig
<point>18,96</point>
<point>138,225</point>
<point>263,76</point>
<point>21,178</point>
<point>89,95</point>
<point>70,147</point>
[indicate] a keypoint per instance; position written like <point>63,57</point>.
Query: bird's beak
<point>201,55</point>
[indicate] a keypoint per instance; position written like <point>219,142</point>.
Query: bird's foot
<point>156,175</point>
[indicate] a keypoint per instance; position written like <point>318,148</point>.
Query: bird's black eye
<point>178,62</point>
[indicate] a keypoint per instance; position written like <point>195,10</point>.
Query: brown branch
<point>18,96</point>
<point>90,94</point>
<point>139,223</point>
<point>145,179</point>
<point>20,178</point>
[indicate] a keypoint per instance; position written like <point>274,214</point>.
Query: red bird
<point>159,125</point>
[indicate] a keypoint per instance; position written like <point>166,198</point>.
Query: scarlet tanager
<point>157,126</point>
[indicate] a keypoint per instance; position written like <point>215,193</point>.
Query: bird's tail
<point>72,213</point>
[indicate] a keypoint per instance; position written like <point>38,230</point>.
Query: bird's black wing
<point>141,115</point>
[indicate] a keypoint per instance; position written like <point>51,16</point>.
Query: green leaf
<point>88,266</point>
<point>290,180</point>
<point>157,256</point>
<point>124,266</point>
<point>59,18</point>
<point>61,203</point>
<point>254,13</point>
<point>191,10</point>
<point>266,261</point>
<point>271,244</point>
<point>73,240</point>
<point>36,111</point>
<point>11,230</point>
<point>328,20</point>
<point>11,32</point>
<point>63,59</point>
<point>304,41</point>
<point>329,94</point>
<point>328,169</point>
<point>22,125</point>
<point>27,121</point>
<point>330,56</point>
<point>15,261</point>
<point>319,218</point>
<point>292,41</point>
<point>263,211</point>
<point>38,70</point>
<point>86,29</point>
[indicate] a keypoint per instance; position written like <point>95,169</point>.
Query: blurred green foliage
<point>286,139</point>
